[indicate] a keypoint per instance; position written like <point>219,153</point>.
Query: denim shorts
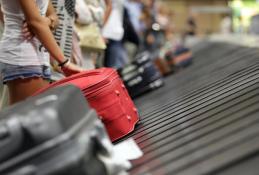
<point>10,72</point>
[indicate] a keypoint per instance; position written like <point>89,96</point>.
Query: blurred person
<point>108,11</point>
<point>1,17</point>
<point>91,12</point>
<point>226,25</point>
<point>26,45</point>
<point>170,37</point>
<point>240,27</point>
<point>151,6</point>
<point>132,26</point>
<point>131,38</point>
<point>254,26</point>
<point>3,90</point>
<point>163,17</point>
<point>99,9</point>
<point>153,35</point>
<point>148,33</point>
<point>113,32</point>
<point>191,26</point>
<point>134,8</point>
<point>77,55</point>
<point>1,24</point>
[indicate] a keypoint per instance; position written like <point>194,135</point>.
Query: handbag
<point>90,37</point>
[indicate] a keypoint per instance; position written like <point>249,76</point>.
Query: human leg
<point>20,89</point>
<point>115,55</point>
<point>24,81</point>
<point>111,56</point>
<point>124,58</point>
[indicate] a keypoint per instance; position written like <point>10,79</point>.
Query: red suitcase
<point>106,93</point>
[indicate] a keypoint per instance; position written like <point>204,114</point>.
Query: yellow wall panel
<point>205,22</point>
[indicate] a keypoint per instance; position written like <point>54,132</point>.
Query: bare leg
<point>20,89</point>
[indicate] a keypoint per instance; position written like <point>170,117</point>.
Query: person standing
<point>1,24</point>
<point>113,32</point>
<point>191,26</point>
<point>134,8</point>
<point>26,45</point>
<point>91,13</point>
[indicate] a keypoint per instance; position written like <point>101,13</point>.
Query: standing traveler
<point>91,15</point>
<point>26,45</point>
<point>115,54</point>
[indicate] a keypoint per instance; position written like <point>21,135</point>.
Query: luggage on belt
<point>141,75</point>
<point>106,93</point>
<point>55,133</point>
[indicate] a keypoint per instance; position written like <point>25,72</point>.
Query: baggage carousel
<point>205,120</point>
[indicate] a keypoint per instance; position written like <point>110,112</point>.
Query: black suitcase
<point>141,75</point>
<point>179,58</point>
<point>55,133</point>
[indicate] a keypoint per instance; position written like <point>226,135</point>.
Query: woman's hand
<point>71,69</point>
<point>53,22</point>
<point>27,32</point>
<point>40,27</point>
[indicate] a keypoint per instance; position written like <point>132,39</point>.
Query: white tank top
<point>113,29</point>
<point>14,49</point>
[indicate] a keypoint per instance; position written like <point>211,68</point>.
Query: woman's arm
<point>52,15</point>
<point>53,22</point>
<point>108,10</point>
<point>40,27</point>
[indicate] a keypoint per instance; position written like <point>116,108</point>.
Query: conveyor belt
<point>206,119</point>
